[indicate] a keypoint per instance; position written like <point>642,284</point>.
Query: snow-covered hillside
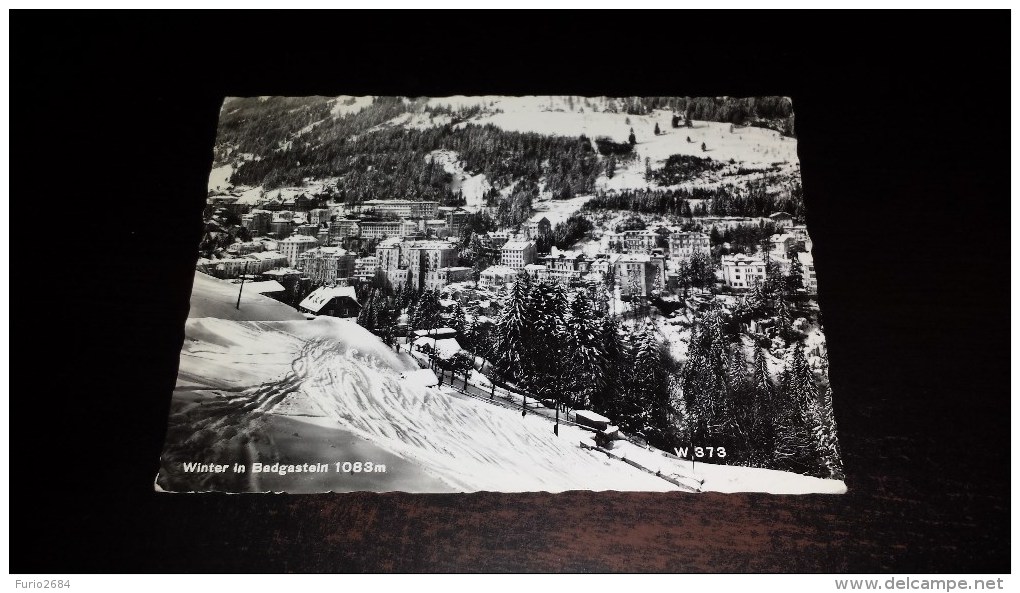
<point>748,147</point>
<point>328,390</point>
<point>315,376</point>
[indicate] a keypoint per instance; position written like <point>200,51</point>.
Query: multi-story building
<point>455,221</point>
<point>564,266</point>
<point>780,245</point>
<point>498,238</point>
<point>604,264</point>
<point>517,254</point>
<point>494,277</point>
<point>742,271</point>
<point>640,241</point>
<point>398,277</point>
<point>683,245</point>
<point>365,268</point>
<point>325,265</point>
<point>807,270</point>
<point>640,274</point>
<point>423,257</point>
<point>268,260</point>
<point>633,241</point>
<point>235,267</point>
<point>536,228</point>
<point>382,229</point>
<point>343,227</point>
<point>246,248</point>
<point>436,228</point>
<point>257,221</point>
<point>401,208</point>
<point>311,230</point>
<point>801,234</point>
<point>388,253</point>
<point>318,216</point>
<point>292,247</point>
<point>438,279</point>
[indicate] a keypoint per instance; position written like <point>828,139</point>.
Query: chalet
<point>782,219</point>
<point>335,301</point>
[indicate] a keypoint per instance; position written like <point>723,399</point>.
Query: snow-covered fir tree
<point>513,332</point>
<point>825,435</point>
<point>795,447</point>
<point>587,360</point>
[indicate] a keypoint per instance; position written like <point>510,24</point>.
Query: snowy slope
<point>334,373</point>
<point>212,297</point>
<point>754,147</point>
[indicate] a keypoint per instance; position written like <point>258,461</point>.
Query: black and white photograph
<point>504,293</point>
<point>714,294</point>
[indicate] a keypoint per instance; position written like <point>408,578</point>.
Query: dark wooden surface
<point>904,149</point>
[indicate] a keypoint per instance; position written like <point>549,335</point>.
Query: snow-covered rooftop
<point>299,239</point>
<point>517,245</point>
<point>264,286</point>
<point>324,294</point>
<point>499,270</point>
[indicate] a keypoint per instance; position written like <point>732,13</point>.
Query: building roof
<point>324,294</point>
<point>499,271</point>
<point>335,251</point>
<point>438,332</point>
<point>741,259</point>
<point>299,239</point>
<point>517,245</point>
<point>282,272</point>
<point>430,245</point>
<point>634,258</point>
<point>805,258</point>
<point>264,255</point>
<point>378,202</point>
<point>446,348</point>
<point>264,287</point>
<point>780,214</point>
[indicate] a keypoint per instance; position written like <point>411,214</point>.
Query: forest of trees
<point>754,199</point>
<point>682,167</point>
<point>770,112</point>
<point>564,345</point>
<point>376,161</point>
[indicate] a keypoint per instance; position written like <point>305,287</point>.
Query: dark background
<point>903,129</point>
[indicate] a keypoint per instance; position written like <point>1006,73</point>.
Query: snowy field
<point>750,147</point>
<point>326,390</point>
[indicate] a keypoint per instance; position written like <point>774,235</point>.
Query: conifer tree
<point>631,138</point>
<point>608,401</point>
<point>457,319</point>
<point>513,333</point>
<point>587,360</point>
<point>657,131</point>
<point>762,411</point>
<point>795,447</point>
<point>631,411</point>
<point>366,316</point>
<point>825,435</point>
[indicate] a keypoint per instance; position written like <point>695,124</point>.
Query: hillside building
<point>335,301</point>
<point>517,254</point>
<point>742,271</point>
<point>292,247</point>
